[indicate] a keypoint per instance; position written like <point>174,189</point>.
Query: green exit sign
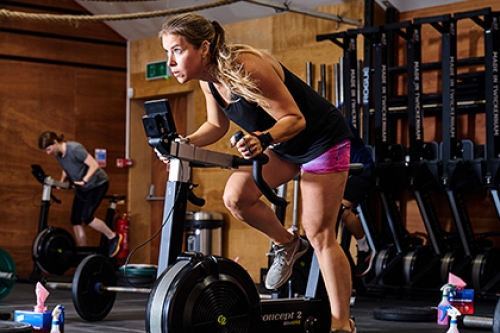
<point>157,70</point>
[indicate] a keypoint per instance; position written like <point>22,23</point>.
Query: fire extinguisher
<point>123,228</point>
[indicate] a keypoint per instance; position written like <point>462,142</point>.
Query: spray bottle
<point>55,320</point>
<point>453,313</point>
<point>442,316</point>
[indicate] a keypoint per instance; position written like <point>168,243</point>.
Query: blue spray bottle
<point>55,328</point>
<point>453,313</point>
<point>442,316</point>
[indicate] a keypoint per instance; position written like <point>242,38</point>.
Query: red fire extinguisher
<point>123,228</point>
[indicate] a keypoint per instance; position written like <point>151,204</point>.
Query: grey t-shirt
<point>74,166</point>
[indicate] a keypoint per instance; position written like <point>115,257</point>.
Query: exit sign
<point>157,70</point>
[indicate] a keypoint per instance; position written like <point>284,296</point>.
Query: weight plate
<point>91,302</point>
<point>14,327</point>
<point>136,281</point>
<point>417,262</point>
<point>447,265</point>
<point>7,265</point>
<point>203,294</point>
<point>139,269</point>
<point>484,269</point>
<point>405,314</point>
<point>496,318</point>
<point>382,261</point>
<point>54,250</point>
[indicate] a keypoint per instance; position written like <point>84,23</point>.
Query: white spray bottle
<point>442,316</point>
<point>56,313</point>
<point>453,313</point>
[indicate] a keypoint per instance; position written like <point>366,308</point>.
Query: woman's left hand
<point>249,146</point>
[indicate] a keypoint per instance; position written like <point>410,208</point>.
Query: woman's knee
<point>235,202</point>
<point>320,237</point>
<point>230,200</point>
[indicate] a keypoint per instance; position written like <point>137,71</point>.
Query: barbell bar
<point>99,287</point>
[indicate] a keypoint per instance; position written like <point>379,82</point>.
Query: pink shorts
<point>336,159</point>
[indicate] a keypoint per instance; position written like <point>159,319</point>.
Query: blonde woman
<point>287,120</point>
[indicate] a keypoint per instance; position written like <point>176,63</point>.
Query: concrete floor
<point>128,312</point>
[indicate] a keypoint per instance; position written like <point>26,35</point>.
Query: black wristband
<point>265,139</point>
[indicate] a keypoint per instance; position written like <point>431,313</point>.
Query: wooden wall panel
<point>39,92</point>
<point>63,50</point>
<point>75,30</point>
<point>139,181</point>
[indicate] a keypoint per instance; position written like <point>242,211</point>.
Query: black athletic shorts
<point>86,203</point>
<point>359,185</point>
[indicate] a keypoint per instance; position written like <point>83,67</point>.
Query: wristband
<point>84,182</point>
<point>265,139</point>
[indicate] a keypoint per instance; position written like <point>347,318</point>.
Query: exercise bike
<point>54,250</point>
<point>197,293</point>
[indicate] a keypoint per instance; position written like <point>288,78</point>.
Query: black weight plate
<point>496,318</point>
<point>417,262</point>
<point>142,281</point>
<point>54,250</point>
<point>420,314</point>
<point>485,268</point>
<point>92,303</point>
<point>203,294</point>
<point>7,265</point>
<point>14,327</point>
<point>452,263</point>
<point>382,261</point>
<point>447,264</point>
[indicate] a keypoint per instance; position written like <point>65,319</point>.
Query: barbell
<point>485,322</point>
<point>94,287</point>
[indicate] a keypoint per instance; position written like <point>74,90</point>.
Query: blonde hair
<point>195,29</point>
<point>47,139</point>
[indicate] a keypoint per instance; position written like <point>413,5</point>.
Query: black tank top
<point>325,125</point>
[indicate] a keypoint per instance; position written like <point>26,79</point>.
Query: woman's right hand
<point>162,158</point>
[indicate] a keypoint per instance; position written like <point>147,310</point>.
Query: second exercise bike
<point>54,250</point>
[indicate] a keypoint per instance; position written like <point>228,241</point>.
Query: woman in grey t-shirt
<point>90,182</point>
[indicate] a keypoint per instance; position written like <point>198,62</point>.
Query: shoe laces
<point>279,253</point>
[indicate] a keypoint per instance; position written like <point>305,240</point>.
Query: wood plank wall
<point>66,78</point>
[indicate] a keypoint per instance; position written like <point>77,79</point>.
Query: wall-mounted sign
<point>157,70</point>
<point>100,157</point>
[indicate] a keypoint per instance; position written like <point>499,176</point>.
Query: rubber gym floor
<point>128,312</point>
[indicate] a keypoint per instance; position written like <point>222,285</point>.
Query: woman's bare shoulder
<point>260,61</point>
